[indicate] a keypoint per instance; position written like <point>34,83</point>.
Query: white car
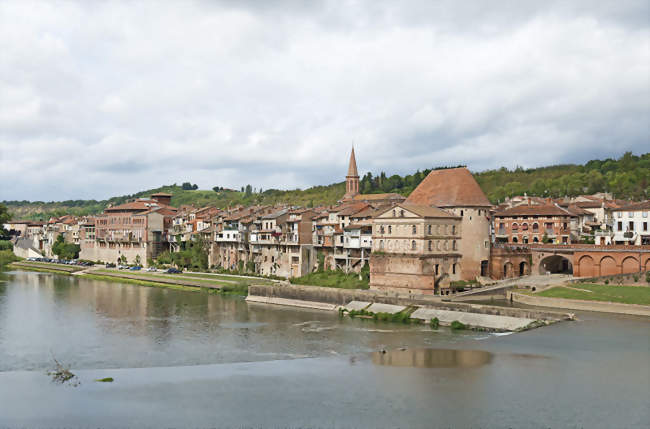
<point>153,269</point>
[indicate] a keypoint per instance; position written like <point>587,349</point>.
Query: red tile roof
<point>452,187</point>
<point>534,210</point>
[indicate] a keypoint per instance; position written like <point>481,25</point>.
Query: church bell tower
<point>352,179</point>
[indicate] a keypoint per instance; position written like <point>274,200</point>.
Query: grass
<point>230,278</point>
<point>154,277</point>
<point>336,279</point>
<point>607,293</point>
<point>39,270</point>
<point>142,282</point>
<point>7,256</point>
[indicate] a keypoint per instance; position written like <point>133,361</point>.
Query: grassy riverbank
<point>335,279</point>
<point>606,293</point>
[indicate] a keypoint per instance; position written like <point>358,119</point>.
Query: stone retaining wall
<point>576,304</point>
<point>344,296</point>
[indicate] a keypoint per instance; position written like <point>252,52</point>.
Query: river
<point>185,359</point>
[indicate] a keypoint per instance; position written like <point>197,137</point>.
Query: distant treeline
<point>626,178</point>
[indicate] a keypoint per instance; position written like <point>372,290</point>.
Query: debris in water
<point>62,375</point>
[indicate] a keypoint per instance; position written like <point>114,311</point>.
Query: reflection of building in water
<point>432,358</point>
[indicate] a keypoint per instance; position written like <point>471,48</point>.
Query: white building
<point>631,224</point>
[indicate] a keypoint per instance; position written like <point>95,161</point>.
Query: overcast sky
<point>108,98</point>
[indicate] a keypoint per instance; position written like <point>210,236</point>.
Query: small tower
<point>352,179</point>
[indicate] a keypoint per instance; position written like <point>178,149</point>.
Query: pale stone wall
<point>475,244</point>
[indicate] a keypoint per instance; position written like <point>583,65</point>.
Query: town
<point>444,236</point>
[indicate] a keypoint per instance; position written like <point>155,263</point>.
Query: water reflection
<point>432,358</point>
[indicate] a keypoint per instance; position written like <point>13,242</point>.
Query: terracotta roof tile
<point>453,187</point>
<point>546,210</point>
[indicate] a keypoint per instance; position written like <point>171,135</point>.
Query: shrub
<point>606,282</point>
<point>435,323</point>
<point>6,245</point>
<point>636,278</point>
<point>647,277</point>
<point>456,325</point>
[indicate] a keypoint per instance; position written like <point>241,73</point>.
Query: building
<point>455,191</point>
<point>533,224</point>
<point>136,230</point>
<point>415,249</point>
<point>630,224</point>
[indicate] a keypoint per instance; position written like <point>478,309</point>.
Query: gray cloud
<point>98,99</point>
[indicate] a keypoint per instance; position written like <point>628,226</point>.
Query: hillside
<point>626,177</point>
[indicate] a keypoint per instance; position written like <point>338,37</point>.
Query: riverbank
<point>425,307</point>
<point>575,304</point>
<point>46,267</point>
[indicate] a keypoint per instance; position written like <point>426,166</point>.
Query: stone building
<point>415,249</point>
<point>534,224</point>
<point>455,191</point>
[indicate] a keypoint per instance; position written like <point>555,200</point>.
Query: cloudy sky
<point>108,98</point>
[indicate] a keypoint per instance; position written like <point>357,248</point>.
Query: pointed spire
<point>352,169</point>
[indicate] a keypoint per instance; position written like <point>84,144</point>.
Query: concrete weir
<point>423,308</point>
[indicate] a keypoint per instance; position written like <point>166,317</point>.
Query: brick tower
<point>351,179</point>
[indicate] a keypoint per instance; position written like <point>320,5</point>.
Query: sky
<point>99,99</point>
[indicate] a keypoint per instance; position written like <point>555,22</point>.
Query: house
<point>533,224</point>
<point>415,249</point>
<point>631,224</point>
<point>455,191</point>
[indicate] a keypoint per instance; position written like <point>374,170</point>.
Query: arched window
<point>415,229</point>
<point>401,213</point>
<point>514,239</point>
<point>390,229</point>
<point>535,240</point>
<point>413,245</point>
<point>535,227</point>
<point>429,245</point>
<point>461,213</point>
<point>524,226</point>
<point>453,230</point>
<point>515,227</point>
<point>429,229</point>
<point>394,213</point>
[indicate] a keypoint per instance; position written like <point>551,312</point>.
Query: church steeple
<point>352,179</point>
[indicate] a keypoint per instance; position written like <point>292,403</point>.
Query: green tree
<point>4,218</point>
<point>137,261</point>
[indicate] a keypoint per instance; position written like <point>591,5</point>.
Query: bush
<point>456,325</point>
<point>337,279</point>
<point>7,256</point>
<point>606,282</point>
<point>647,277</point>
<point>6,245</point>
<point>435,323</point>
<point>636,278</point>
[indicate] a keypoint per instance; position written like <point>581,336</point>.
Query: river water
<point>184,359</point>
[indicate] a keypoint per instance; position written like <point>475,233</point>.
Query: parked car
<point>152,269</point>
<point>110,265</point>
<point>122,267</point>
<point>173,271</point>
<point>135,268</point>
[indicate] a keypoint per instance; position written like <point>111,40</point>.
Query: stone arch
<point>608,266</point>
<point>647,265</point>
<point>555,264</point>
<point>630,265</point>
<point>507,270</point>
<point>523,268</point>
<point>586,267</point>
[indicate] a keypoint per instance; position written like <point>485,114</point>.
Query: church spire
<point>352,169</point>
<point>352,178</point>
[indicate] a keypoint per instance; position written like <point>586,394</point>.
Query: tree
<point>137,261</point>
<point>4,218</point>
<point>186,186</point>
<point>249,190</point>
<point>122,260</point>
<point>195,187</point>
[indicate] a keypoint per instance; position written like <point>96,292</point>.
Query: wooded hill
<point>626,178</point>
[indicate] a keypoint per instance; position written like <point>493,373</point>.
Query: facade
<point>630,224</point>
<point>534,224</point>
<point>455,191</point>
<point>136,230</point>
<point>416,249</point>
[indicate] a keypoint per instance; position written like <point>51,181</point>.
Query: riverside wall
<point>344,296</point>
<point>576,304</point>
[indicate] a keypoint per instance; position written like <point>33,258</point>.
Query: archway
<point>507,270</point>
<point>523,270</point>
<point>555,264</point>
<point>608,266</point>
<point>630,265</point>
<point>586,267</point>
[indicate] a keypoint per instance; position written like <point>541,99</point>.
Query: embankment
<point>46,267</point>
<point>340,297</point>
<point>576,304</point>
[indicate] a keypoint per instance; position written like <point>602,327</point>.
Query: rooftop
<point>452,187</point>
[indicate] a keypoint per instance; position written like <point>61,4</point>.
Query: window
<point>535,240</point>
<point>437,268</point>
<point>453,230</point>
<point>515,227</point>
<point>455,247</point>
<point>381,244</point>
<point>535,227</point>
<point>645,214</point>
<point>390,229</point>
<point>619,214</point>
<point>461,213</point>
<point>524,226</point>
<point>645,226</point>
<point>413,245</point>
<point>453,268</point>
<point>429,229</point>
<point>514,239</point>
<point>401,213</point>
<point>381,229</point>
<point>394,213</point>
<point>415,229</point>
<point>630,214</point>
<point>630,226</point>
<point>430,245</point>
<point>619,226</point>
